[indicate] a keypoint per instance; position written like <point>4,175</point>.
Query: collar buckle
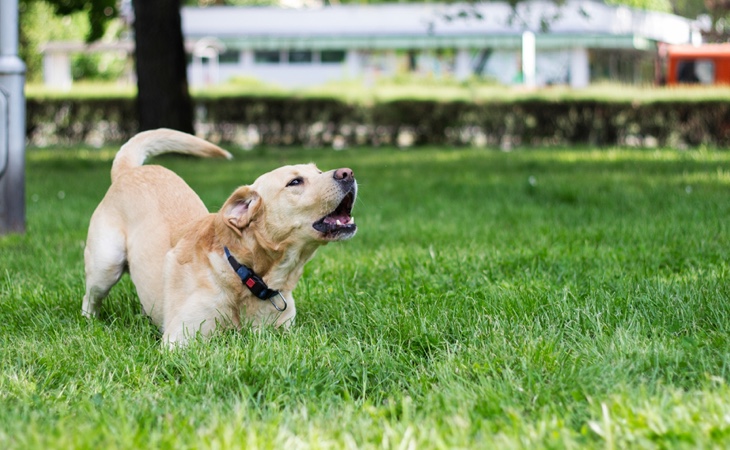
<point>254,283</point>
<point>271,299</point>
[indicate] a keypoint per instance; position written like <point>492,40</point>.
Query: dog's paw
<point>89,313</point>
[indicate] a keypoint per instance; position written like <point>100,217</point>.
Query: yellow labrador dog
<point>194,270</point>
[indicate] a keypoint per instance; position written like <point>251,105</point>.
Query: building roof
<point>585,23</point>
<point>704,51</point>
<point>70,47</point>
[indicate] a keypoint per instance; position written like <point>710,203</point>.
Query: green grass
<point>358,91</point>
<point>545,298</point>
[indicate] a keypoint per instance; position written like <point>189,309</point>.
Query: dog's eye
<point>296,182</point>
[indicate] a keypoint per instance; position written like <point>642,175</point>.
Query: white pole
<point>528,59</point>
<point>12,123</point>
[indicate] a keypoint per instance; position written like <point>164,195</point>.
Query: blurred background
<point>339,73</point>
<point>305,43</point>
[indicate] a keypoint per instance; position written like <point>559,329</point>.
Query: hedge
<point>282,121</point>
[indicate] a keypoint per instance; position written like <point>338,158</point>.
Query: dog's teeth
<point>338,222</point>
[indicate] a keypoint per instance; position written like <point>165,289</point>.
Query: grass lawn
<point>536,299</point>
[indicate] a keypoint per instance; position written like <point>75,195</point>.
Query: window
<point>333,56</point>
<point>300,56</point>
<point>266,56</point>
<point>696,71</point>
<point>705,70</point>
<point>229,57</point>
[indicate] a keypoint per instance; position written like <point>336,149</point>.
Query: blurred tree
<point>719,12</point>
<point>688,8</point>
<point>38,25</point>
<point>163,99</point>
<point>99,12</point>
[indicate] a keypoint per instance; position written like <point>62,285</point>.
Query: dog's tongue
<point>333,219</point>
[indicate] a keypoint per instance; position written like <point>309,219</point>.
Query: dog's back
<point>131,227</point>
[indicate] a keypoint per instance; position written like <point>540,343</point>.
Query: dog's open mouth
<point>339,224</point>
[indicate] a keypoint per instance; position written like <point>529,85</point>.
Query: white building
<point>311,46</point>
<point>574,43</point>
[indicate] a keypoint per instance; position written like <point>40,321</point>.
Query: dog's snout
<point>344,174</point>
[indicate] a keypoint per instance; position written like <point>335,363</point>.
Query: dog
<point>194,270</point>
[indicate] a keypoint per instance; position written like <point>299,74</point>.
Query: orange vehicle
<point>702,64</point>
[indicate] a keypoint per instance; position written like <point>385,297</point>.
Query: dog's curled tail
<point>156,142</point>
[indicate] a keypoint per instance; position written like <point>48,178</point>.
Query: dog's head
<point>296,202</point>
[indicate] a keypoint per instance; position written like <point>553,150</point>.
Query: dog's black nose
<point>344,174</point>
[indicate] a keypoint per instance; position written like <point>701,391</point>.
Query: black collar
<point>253,282</point>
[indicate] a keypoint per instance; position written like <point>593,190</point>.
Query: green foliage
<point>689,8</point>
<point>98,66</point>
<point>534,299</point>
<point>98,12</point>
<point>40,24</point>
<point>649,5</point>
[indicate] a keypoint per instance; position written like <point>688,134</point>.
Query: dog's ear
<point>240,208</point>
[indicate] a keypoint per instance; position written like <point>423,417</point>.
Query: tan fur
<point>152,224</point>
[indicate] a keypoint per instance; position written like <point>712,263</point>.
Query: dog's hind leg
<point>105,259</point>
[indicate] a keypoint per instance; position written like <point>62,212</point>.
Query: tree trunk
<point>163,99</point>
